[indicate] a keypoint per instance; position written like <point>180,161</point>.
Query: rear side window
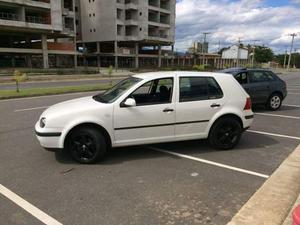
<point>258,76</point>
<point>270,75</point>
<point>199,88</point>
<point>242,78</point>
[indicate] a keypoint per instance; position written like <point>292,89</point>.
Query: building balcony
<point>37,19</point>
<point>131,22</point>
<point>9,16</point>
<point>45,4</point>
<point>157,8</point>
<point>158,24</point>
<point>131,6</point>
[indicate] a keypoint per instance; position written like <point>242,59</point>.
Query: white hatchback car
<point>149,108</point>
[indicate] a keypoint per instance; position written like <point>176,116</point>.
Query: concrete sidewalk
<point>273,202</point>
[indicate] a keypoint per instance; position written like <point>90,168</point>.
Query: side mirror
<point>129,102</point>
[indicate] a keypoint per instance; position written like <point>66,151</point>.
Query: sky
<point>268,21</point>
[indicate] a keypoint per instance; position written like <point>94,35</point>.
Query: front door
<point>153,117</point>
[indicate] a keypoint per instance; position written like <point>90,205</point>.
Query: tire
<point>274,102</point>
<point>86,145</point>
<point>225,133</point>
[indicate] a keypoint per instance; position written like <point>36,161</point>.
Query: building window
<point>141,13</point>
<point>140,29</point>
<point>76,9</point>
<point>76,22</point>
<point>93,14</point>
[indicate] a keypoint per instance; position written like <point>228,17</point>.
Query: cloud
<point>230,20</point>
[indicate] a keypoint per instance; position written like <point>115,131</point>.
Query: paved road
<point>46,84</point>
<point>139,185</point>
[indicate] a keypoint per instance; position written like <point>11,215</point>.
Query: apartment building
<point>37,33</point>
<point>126,33</point>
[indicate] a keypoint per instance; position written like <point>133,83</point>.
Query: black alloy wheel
<point>87,145</point>
<point>225,133</point>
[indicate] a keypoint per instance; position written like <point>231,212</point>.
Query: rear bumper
<point>247,121</point>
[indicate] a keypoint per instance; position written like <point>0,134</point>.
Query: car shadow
<point>262,108</point>
<point>119,155</point>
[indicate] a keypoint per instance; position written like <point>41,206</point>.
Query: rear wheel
<point>274,102</point>
<point>86,145</point>
<point>225,133</point>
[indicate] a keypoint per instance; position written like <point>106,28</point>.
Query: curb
<point>289,220</point>
<point>273,201</point>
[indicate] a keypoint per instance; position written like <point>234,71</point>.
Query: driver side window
<point>157,91</point>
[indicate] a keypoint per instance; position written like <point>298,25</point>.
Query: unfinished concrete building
<point>37,33</point>
<point>125,33</point>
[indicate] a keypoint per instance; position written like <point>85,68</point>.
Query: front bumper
<point>49,138</point>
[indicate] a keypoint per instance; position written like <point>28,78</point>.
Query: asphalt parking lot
<point>172,183</point>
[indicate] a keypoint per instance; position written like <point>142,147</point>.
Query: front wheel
<point>86,145</point>
<point>274,102</point>
<point>225,133</point>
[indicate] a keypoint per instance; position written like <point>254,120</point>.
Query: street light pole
<point>292,45</point>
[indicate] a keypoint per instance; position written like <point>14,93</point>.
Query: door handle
<point>168,110</point>
<point>215,105</point>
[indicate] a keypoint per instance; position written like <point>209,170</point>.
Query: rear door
<point>199,98</point>
<point>258,86</point>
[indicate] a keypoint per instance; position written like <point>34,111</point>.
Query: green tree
<point>18,78</point>
<point>263,54</point>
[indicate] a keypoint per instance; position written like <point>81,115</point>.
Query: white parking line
<point>278,115</point>
<point>272,134</point>
<point>293,89</point>
<point>37,213</point>
<point>293,93</point>
<point>296,106</point>
<point>210,162</point>
<point>29,109</point>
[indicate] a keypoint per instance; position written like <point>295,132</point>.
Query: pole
<point>202,49</point>
<point>284,62</point>
<point>253,56</point>
<point>292,45</point>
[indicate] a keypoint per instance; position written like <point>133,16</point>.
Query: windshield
<point>116,91</point>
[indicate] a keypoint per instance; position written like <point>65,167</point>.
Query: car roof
<point>237,70</point>
<point>151,75</point>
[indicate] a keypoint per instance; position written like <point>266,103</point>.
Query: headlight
<point>42,122</point>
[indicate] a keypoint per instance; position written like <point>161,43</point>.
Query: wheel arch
<point>88,124</point>
<point>276,92</point>
<point>226,115</point>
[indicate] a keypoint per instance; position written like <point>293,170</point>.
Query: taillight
<point>248,104</point>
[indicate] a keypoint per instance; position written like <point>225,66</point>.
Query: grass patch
<point>6,94</point>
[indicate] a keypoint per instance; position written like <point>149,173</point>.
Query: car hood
<point>74,106</point>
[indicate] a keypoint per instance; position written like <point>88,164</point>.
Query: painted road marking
<point>29,109</point>
<point>210,162</point>
<point>278,115</point>
<point>296,106</point>
<point>37,213</point>
<point>293,89</point>
<point>293,93</point>
<point>272,134</point>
